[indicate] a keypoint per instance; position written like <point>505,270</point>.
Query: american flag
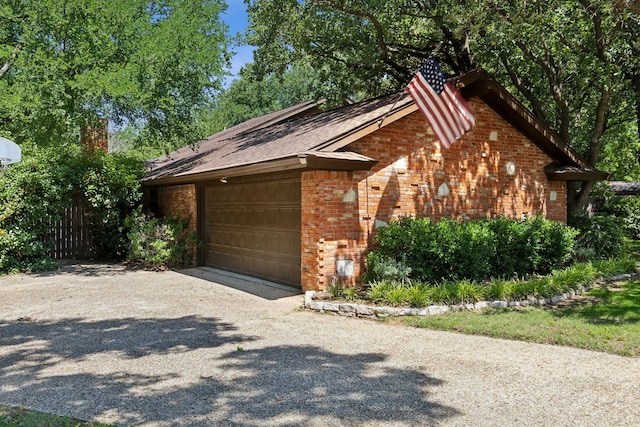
<point>446,111</point>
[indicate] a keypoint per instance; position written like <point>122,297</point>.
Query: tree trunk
<point>577,199</point>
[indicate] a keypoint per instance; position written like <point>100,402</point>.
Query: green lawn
<point>606,319</point>
<point>12,416</point>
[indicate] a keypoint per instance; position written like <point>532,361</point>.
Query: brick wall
<point>493,170</point>
<point>332,231</point>
<point>96,135</point>
<point>178,201</point>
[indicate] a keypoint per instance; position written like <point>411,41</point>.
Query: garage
<point>252,226</point>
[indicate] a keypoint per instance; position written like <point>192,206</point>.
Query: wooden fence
<point>71,237</point>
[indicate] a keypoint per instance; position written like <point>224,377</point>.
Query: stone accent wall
<point>494,170</point>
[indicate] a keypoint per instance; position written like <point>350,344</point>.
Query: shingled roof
<point>625,187</point>
<point>284,140</point>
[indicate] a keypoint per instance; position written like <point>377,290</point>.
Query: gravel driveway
<point>105,343</point>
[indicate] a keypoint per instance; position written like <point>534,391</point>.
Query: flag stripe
<point>444,108</point>
<point>460,107</point>
<point>423,98</point>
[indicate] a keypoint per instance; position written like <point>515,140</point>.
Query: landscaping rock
<point>364,311</point>
<point>438,309</point>
<point>348,310</point>
<point>481,304</point>
<point>328,306</point>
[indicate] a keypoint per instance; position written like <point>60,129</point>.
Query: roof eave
<point>301,162</point>
<point>568,173</point>
<point>367,128</point>
<point>479,83</point>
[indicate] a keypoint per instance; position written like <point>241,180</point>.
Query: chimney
<point>96,135</point>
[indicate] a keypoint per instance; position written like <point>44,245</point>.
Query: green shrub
<point>383,268</point>
<point>340,291</point>
<point>398,294</point>
<point>627,208</point>
<point>600,235</point>
<point>474,250</point>
<point>111,186</point>
<point>467,291</point>
<point>160,243</point>
<point>35,192</point>
<point>500,289</point>
<point>614,266</point>
<point>440,294</point>
<point>378,290</point>
<point>418,295</point>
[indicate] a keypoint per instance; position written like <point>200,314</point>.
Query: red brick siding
<point>96,135</point>
<point>178,201</point>
<point>412,166</point>
<point>331,229</point>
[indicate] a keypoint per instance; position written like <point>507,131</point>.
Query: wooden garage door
<point>254,228</point>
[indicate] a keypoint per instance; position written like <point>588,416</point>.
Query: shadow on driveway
<point>194,371</point>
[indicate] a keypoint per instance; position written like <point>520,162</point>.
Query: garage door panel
<point>289,218</point>
<point>254,228</point>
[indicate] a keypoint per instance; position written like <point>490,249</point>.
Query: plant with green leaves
<point>159,243</point>
<point>476,250</point>
<point>601,235</point>
<point>65,63</point>
<point>35,192</point>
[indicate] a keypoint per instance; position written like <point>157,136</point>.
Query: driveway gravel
<point>103,342</point>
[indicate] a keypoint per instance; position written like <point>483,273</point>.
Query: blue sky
<point>236,18</point>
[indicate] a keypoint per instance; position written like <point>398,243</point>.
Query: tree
<point>249,97</point>
<point>35,192</point>
<point>151,63</point>
<point>575,63</point>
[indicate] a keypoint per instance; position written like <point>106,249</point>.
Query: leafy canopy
<point>64,63</point>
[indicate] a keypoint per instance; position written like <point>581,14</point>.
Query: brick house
<point>295,197</point>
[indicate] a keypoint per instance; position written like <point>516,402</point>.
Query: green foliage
<point>251,96</point>
<point>627,208</point>
<point>35,192</point>
<point>466,291</point>
<point>382,268</point>
<point>389,292</point>
<point>151,64</point>
<point>500,290</point>
<point>340,291</point>
<point>160,243</point>
<point>474,250</point>
<point>601,236</point>
<point>615,266</point>
<point>416,294</point>
<point>111,186</point>
<point>610,323</point>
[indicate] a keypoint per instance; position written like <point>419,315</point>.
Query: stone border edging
<point>375,312</point>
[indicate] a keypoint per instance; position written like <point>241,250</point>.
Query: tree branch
<point>599,126</point>
<point>523,87</point>
<point>14,55</point>
<point>554,77</point>
<point>382,45</point>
